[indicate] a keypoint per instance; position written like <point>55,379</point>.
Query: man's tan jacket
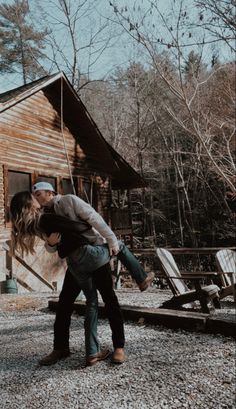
<point>74,208</point>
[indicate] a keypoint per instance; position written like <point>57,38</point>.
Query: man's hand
<point>53,239</point>
<point>114,250</point>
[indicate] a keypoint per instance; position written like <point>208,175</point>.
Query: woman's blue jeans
<point>89,258</point>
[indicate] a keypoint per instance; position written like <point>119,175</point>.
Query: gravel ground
<point>165,368</point>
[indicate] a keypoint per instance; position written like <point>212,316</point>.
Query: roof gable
<point>82,126</point>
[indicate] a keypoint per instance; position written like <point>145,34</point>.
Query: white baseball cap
<point>43,186</point>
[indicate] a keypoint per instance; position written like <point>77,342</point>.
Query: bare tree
<point>217,17</point>
<point>191,118</point>
<point>78,37</point>
<point>183,188</point>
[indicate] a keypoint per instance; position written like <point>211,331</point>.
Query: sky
<point>121,49</point>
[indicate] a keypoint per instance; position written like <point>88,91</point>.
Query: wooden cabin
<point>46,133</point>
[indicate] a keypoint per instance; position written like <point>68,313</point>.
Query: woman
<point>28,223</point>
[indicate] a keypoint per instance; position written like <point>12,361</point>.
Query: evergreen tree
<point>194,67</point>
<point>20,44</point>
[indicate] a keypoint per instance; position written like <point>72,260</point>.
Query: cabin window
<point>67,187</point>
<point>17,182</point>
<point>88,192</point>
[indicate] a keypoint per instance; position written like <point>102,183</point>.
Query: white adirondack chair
<point>226,261</point>
<point>182,295</point>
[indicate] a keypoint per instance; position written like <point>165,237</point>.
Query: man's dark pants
<point>70,291</point>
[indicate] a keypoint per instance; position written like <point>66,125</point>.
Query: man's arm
<point>87,213</point>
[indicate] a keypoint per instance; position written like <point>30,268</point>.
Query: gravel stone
<point>165,369</point>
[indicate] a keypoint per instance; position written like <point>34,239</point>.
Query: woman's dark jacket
<point>71,232</point>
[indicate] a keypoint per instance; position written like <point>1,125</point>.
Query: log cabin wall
<point>3,234</point>
<point>32,148</point>
<point>31,139</point>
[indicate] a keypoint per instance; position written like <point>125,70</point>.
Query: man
<point>95,256</point>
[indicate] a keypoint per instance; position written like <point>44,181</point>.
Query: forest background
<point>158,77</point>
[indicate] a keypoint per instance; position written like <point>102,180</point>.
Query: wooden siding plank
<point>32,127</point>
<point>46,135</point>
<point>1,197</point>
<point>41,150</point>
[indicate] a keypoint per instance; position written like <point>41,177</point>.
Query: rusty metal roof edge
<point>103,140</point>
<point>86,112</point>
<point>120,158</point>
<point>27,93</point>
<point>140,181</point>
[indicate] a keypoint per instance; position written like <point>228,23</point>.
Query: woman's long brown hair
<point>24,220</point>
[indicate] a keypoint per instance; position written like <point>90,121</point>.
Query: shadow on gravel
<point>46,311</point>
<point>27,329</point>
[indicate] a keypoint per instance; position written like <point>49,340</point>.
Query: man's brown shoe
<point>100,356</point>
<point>55,356</point>
<point>147,282</point>
<point>118,356</point>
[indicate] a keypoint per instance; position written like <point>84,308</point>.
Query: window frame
<point>81,182</point>
<point>76,184</point>
<point>6,171</point>
<point>32,179</point>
